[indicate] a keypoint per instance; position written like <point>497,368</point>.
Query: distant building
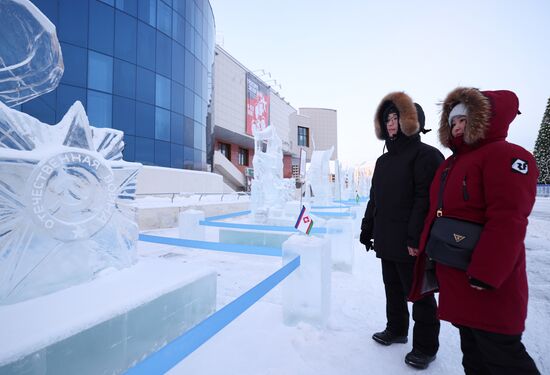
<point>232,148</point>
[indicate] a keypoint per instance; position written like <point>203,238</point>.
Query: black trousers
<point>494,353</point>
<point>398,279</point>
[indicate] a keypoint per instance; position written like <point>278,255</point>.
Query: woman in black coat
<point>394,218</point>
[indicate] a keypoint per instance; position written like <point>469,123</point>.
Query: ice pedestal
<point>253,237</point>
<point>189,227</point>
<point>107,325</point>
<point>340,233</point>
<point>306,291</point>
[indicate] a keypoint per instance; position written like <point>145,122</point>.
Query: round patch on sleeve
<point>520,166</point>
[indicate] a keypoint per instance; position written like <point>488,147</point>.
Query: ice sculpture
<point>318,177</point>
<point>268,188</point>
<point>61,187</point>
<point>30,55</point>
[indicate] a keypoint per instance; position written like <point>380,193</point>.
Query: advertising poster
<point>257,104</point>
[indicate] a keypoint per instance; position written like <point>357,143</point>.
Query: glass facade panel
<point>145,86</point>
<point>162,97</point>
<point>176,159</point>
<point>176,129</point>
<point>74,58</point>
<point>100,72</point>
<point>164,18</point>
<point>189,70</point>
<point>102,27</point>
<point>140,66</point>
<point>128,153</point>
<point>147,11</point>
<point>124,79</point>
<point>188,156</point>
<point>128,6</point>
<point>164,54</point>
<point>162,153</point>
<point>72,26</point>
<point>100,109</point>
<point>124,115</point>
<point>188,131</point>
<point>162,124</point>
<point>198,134</point>
<point>178,63</point>
<point>145,120</point>
<point>177,97</point>
<point>145,150</point>
<point>178,28</point>
<point>125,37</point>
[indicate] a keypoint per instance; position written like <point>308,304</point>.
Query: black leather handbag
<point>452,242</point>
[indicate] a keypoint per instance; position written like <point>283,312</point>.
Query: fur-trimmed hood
<point>489,114</point>
<point>411,115</point>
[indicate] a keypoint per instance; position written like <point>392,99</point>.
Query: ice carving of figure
<point>268,186</point>
<point>318,176</point>
<point>62,187</point>
<point>30,56</point>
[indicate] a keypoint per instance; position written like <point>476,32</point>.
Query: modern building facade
<point>233,143</point>
<point>140,66</point>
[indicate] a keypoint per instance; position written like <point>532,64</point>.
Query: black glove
<point>365,240</point>
<point>369,245</point>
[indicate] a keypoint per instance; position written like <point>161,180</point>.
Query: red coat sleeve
<point>509,182</point>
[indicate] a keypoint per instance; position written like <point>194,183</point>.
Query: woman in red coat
<point>491,182</point>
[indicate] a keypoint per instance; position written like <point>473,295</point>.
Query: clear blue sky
<point>347,55</point>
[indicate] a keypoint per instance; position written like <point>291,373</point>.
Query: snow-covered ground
<point>258,342</point>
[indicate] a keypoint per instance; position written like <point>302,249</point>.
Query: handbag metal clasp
<point>439,213</point>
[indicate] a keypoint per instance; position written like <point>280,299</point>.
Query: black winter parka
<point>399,197</point>
<point>399,194</point>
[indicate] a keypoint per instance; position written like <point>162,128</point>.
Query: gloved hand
<point>369,245</point>
<point>363,238</point>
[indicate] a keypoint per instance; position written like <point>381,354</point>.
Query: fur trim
<point>479,115</point>
<point>408,118</point>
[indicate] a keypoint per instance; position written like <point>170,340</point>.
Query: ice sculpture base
<point>253,237</point>
<point>306,291</point>
<point>108,324</point>
<point>340,233</point>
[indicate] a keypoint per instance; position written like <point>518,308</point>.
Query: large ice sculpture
<point>62,220</point>
<point>61,189</point>
<point>318,176</point>
<point>268,188</point>
<point>30,55</point>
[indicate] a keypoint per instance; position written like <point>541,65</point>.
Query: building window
<point>243,156</point>
<point>225,149</point>
<point>303,136</point>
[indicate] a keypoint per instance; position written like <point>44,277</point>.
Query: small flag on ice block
<point>304,222</point>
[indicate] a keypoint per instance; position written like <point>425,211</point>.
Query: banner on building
<point>257,104</point>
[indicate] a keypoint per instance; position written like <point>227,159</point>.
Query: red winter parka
<point>492,182</point>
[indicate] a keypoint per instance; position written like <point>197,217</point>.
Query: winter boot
<point>419,360</point>
<point>387,338</point>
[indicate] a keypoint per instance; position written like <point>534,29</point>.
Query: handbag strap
<point>444,176</point>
